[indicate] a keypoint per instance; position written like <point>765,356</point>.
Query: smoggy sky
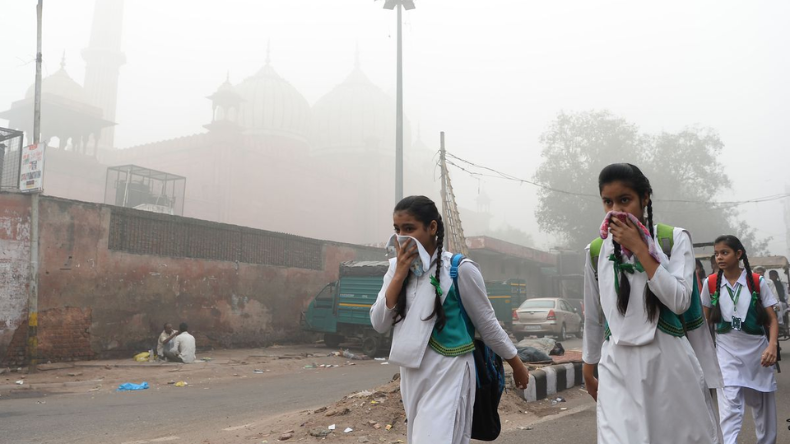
<point>492,75</point>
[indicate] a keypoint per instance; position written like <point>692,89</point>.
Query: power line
<point>505,176</point>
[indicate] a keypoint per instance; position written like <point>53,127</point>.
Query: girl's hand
<point>406,256</point>
<point>768,357</point>
<point>590,381</point>
<point>627,235</point>
<point>520,374</point>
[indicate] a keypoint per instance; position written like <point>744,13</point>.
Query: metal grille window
<point>161,235</point>
<point>10,158</point>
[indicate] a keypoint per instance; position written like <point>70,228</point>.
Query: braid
<point>650,218</point>
<point>762,317</point>
<point>652,304</point>
<point>400,305</point>
<point>624,292</point>
<point>715,314</point>
<point>438,310</point>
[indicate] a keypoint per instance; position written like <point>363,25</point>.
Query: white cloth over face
<point>739,353</point>
<point>651,386</point>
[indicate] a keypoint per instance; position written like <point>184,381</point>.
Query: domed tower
<point>355,117</point>
<point>66,113</point>
<point>225,108</point>
<point>272,108</point>
<point>353,138</point>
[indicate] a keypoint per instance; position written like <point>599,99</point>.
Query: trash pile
<point>366,416</point>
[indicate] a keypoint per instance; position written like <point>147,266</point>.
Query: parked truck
<point>341,310</point>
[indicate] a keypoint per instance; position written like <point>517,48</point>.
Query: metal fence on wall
<point>10,158</point>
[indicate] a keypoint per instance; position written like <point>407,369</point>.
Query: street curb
<point>48,385</point>
<point>550,380</point>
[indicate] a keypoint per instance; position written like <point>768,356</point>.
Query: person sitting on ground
<point>183,346</point>
<point>165,342</point>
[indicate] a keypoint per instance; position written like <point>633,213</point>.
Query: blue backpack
<point>490,372</point>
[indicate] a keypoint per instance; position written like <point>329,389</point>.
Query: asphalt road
<point>114,418</point>
<point>119,418</point>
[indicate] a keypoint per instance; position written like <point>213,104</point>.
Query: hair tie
<point>435,283</point>
<point>714,300</point>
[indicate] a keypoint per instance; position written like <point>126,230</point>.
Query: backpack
<point>490,373</point>
<point>756,277</point>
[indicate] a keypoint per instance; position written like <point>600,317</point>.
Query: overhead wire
<point>505,176</point>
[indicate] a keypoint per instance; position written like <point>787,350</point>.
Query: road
<point>135,416</point>
<point>222,408</point>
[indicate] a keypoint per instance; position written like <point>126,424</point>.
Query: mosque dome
<point>62,85</point>
<point>355,117</point>
<point>271,105</point>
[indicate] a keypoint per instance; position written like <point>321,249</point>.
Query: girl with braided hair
<point>432,339</point>
<point>650,386</point>
<point>740,304</point>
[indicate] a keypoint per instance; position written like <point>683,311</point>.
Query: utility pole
<point>32,300</point>
<point>454,232</point>
<point>399,116</point>
<point>399,4</point>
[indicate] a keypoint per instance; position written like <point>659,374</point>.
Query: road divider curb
<point>550,380</point>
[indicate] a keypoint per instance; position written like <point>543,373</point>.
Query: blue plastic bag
<point>130,386</point>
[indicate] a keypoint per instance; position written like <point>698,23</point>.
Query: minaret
<point>103,60</point>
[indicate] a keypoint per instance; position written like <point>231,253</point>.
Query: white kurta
<point>739,352</point>
<point>439,391</point>
<point>651,387</point>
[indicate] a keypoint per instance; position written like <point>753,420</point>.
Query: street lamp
<point>391,4</point>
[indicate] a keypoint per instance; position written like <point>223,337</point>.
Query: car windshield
<point>537,304</point>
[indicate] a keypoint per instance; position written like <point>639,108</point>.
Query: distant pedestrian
<point>183,346</point>
<point>781,292</point>
<point>651,386</point>
<point>746,355</point>
<point>433,338</point>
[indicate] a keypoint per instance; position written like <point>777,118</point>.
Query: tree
<point>683,168</point>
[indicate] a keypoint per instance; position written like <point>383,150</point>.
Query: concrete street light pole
<point>400,4</point>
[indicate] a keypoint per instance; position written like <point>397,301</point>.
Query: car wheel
<point>581,331</point>
<point>563,333</point>
<point>519,336</point>
<point>540,336</point>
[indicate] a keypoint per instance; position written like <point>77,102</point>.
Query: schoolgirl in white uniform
<point>650,387</point>
<point>742,315</point>
<point>431,341</point>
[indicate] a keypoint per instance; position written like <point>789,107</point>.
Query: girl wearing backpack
<point>650,386</point>
<point>740,304</point>
<point>432,339</point>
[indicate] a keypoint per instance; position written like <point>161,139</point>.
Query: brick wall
<point>64,334</point>
<point>14,267</point>
<point>110,277</point>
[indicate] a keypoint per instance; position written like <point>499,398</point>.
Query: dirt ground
<point>374,416</point>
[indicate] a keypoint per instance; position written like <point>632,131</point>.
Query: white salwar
<point>746,381</point>
<point>438,391</point>
<point>651,386</point>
